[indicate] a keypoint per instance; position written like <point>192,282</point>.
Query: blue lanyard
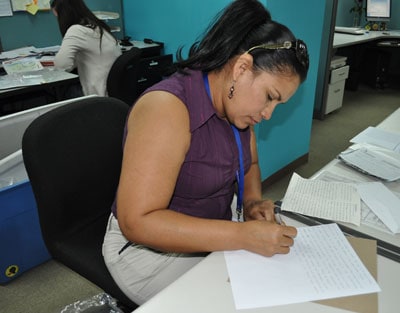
<point>240,172</point>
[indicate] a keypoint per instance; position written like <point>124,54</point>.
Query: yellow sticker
<point>32,8</point>
<point>12,270</point>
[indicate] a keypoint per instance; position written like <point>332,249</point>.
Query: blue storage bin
<point>21,242</point>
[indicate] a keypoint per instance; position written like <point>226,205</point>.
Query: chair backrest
<point>73,157</point>
<point>123,76</point>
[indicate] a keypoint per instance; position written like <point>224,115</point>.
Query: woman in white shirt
<point>87,45</point>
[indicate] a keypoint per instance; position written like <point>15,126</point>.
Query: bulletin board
<point>27,5</point>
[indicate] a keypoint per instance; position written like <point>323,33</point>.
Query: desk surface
<point>40,77</point>
<point>205,288</point>
<point>342,40</point>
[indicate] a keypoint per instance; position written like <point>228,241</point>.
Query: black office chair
<point>73,156</point>
<point>123,76</point>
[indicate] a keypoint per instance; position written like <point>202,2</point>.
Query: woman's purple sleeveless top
<point>206,182</point>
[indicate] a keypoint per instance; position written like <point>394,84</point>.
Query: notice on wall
<point>5,8</point>
<point>31,6</point>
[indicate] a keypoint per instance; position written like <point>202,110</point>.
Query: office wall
<point>345,18</point>
<point>40,30</point>
<point>286,136</point>
<point>175,22</point>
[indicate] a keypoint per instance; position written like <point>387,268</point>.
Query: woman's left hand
<point>259,210</point>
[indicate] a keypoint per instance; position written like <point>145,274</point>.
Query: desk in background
<point>20,94</point>
<point>369,61</point>
<point>57,85</point>
<point>206,288</point>
<point>344,40</point>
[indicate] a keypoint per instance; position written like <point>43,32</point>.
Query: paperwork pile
<point>376,152</point>
<point>341,201</point>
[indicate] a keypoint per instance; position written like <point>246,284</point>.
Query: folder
<point>366,249</point>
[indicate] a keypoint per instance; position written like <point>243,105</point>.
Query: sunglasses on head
<point>298,46</point>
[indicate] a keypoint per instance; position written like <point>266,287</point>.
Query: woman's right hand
<point>267,238</point>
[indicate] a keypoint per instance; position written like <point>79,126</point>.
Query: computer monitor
<point>378,10</point>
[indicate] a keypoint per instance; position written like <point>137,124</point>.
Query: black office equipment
<point>73,157</point>
<point>132,73</point>
<point>152,70</point>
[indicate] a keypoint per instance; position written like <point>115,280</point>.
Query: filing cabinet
<point>338,75</point>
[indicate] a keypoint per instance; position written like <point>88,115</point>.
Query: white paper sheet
<point>335,201</point>
<point>321,265</point>
<point>5,8</point>
<point>17,53</point>
<point>374,162</point>
<point>379,137</point>
<point>22,65</point>
<point>384,203</point>
<point>368,217</point>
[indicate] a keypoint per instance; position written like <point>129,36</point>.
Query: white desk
<point>205,288</point>
<point>20,83</point>
<point>49,75</point>
<point>343,40</point>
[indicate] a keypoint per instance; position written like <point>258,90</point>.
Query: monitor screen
<point>378,10</point>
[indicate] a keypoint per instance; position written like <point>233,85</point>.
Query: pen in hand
<point>277,211</point>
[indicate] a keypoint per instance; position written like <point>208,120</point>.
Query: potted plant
<point>357,9</point>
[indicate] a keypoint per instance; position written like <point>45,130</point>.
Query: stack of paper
<point>376,152</point>
<point>341,201</point>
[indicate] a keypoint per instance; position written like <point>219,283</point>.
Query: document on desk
<point>335,201</point>
<point>16,53</point>
<point>379,162</point>
<point>384,203</point>
<point>379,137</point>
<point>22,65</point>
<point>321,265</point>
<point>368,217</point>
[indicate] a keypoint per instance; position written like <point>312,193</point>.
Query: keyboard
<point>350,30</point>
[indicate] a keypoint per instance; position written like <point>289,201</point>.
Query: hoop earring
<point>231,90</point>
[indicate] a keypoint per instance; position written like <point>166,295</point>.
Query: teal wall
<point>286,136</point>
<point>174,22</point>
<point>345,18</point>
<point>41,30</point>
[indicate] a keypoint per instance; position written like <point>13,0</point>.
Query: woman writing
<point>87,45</point>
<point>189,143</point>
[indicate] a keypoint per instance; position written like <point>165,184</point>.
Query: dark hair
<point>71,12</point>
<point>240,26</point>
